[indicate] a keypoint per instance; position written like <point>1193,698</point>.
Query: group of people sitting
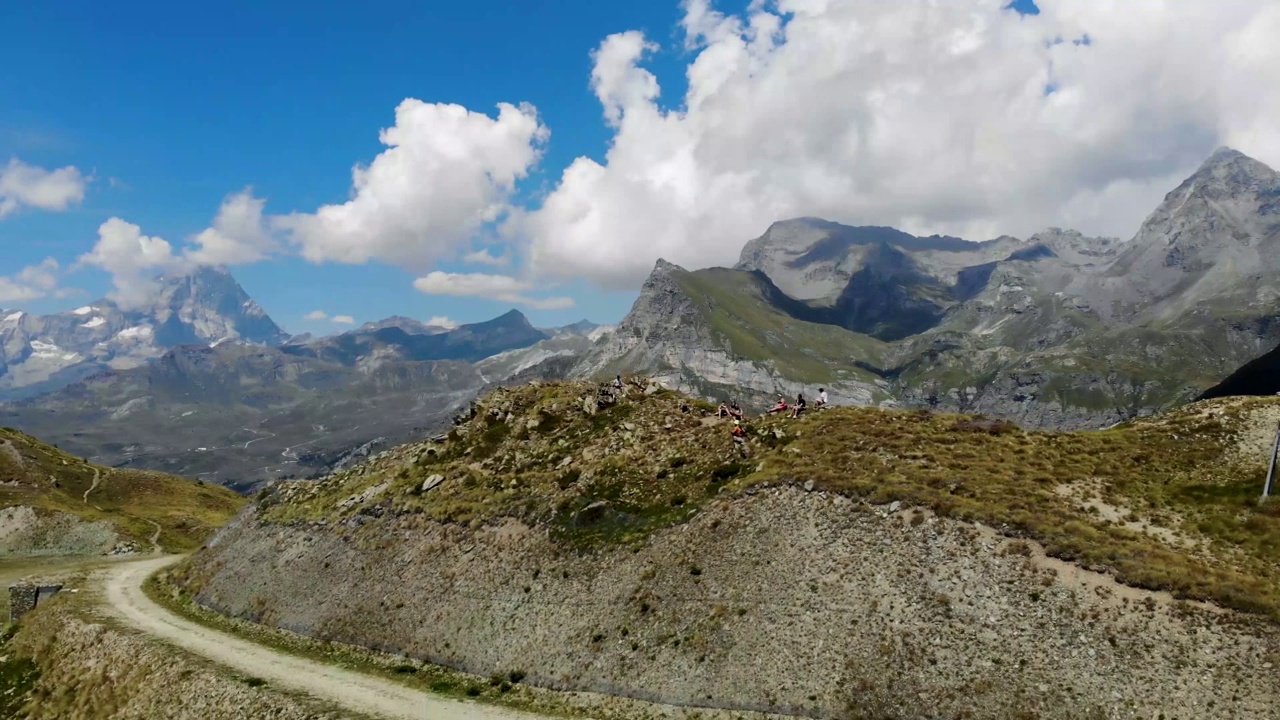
<point>734,412</point>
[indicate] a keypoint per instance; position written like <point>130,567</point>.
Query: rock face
<point>1059,330</point>
<point>672,334</point>
<point>894,613</point>
<point>43,353</point>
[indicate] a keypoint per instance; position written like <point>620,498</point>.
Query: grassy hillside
<point>735,307</point>
<point>40,476</point>
<point>1163,503</point>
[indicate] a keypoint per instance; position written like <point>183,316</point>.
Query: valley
<point>1042,462</point>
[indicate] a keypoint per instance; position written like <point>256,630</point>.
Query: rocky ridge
<point>893,563</point>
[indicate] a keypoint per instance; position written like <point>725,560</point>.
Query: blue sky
<point>171,106</point>
<point>971,118</point>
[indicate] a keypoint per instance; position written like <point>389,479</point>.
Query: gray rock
<point>808,485</point>
<point>432,482</point>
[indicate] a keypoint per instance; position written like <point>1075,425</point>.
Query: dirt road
<point>350,690</point>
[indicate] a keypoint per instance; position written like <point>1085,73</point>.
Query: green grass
<point>49,479</point>
<point>593,482</point>
<point>18,677</point>
<point>732,303</point>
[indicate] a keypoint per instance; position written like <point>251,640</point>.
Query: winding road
<point>350,690</point>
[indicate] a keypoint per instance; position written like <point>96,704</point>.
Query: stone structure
<point>23,598</point>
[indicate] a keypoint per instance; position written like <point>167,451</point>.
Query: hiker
<point>822,400</point>
<point>722,411</point>
<point>735,412</point>
<point>739,434</point>
<point>800,406</point>
<point>617,382</point>
<point>780,407</point>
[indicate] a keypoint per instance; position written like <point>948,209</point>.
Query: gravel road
<point>350,690</point>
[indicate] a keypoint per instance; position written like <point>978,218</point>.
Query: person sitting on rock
<point>617,382</point>
<point>799,407</point>
<point>822,400</point>
<point>780,407</point>
<point>735,411</point>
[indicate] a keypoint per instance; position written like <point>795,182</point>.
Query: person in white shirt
<point>822,398</point>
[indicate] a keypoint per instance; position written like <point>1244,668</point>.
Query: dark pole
<point>1271,470</point>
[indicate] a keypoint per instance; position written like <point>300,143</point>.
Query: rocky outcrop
<point>783,600</point>
<point>669,335</point>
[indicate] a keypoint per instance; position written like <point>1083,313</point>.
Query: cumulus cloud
<point>961,117</point>
<point>344,319</point>
<point>133,260</point>
<point>492,287</point>
<point>239,234</point>
<point>447,171</point>
<point>23,185</point>
<point>484,257</point>
<point>316,315</point>
<point>441,321</point>
<point>31,283</point>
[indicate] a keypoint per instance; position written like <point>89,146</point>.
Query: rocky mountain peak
<point>1226,215</point>
<point>208,305</point>
<point>663,307</point>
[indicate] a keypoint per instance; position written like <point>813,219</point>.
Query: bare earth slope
<point>861,563</point>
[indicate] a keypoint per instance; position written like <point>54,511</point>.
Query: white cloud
<point>238,235</point>
<point>320,315</point>
<point>132,259</point>
<point>31,186</point>
<point>484,257</point>
<point>447,171</point>
<point>932,117</point>
<point>441,321</point>
<point>492,287</point>
<point>31,283</point>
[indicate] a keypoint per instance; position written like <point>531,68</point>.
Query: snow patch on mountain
<point>137,331</point>
<point>46,350</point>
<point>83,310</point>
<point>96,322</point>
<point>15,317</point>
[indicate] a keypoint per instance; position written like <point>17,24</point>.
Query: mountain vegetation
<point>57,503</point>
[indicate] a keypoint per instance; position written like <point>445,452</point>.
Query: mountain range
<point>203,383</point>
<point>207,306</point>
<point>1057,330</point>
